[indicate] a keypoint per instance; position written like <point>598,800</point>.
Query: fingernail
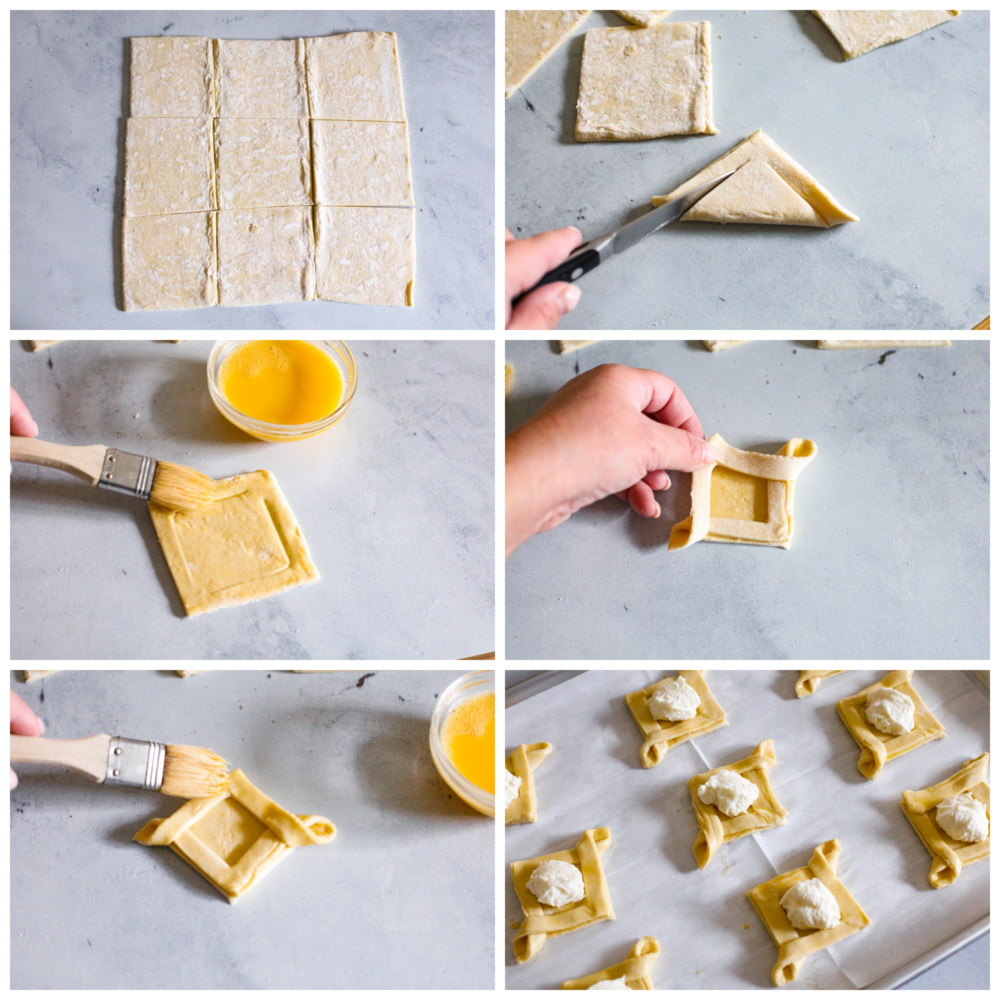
<point>33,424</point>
<point>569,297</point>
<point>708,456</point>
<point>657,514</point>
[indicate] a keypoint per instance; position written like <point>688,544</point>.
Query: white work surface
<point>396,504</point>
<point>69,104</point>
<point>890,555</point>
<point>899,136</point>
<point>403,897</point>
<point>710,935</point>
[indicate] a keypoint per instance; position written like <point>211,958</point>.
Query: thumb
<point>679,450</point>
<point>544,307</point>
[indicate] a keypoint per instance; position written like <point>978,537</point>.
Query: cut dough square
<point>794,946</point>
<point>530,37</point>
<point>809,680</point>
<point>636,970</point>
<point>744,497</point>
<point>541,921</point>
<point>877,748</point>
<point>643,18</point>
<point>361,163</point>
<point>266,256</point>
<point>715,828</point>
<point>949,856</point>
<point>243,547</point>
<point>355,77</point>
<point>172,78</point>
<point>660,735</point>
<point>522,763</point>
<point>860,31</point>
<point>236,837</point>
<point>768,188</point>
<point>843,345</point>
<point>643,83</point>
<point>169,261</point>
<point>721,345</point>
<point>261,79</point>
<point>263,162</point>
<point>365,255</point>
<point>169,166</point>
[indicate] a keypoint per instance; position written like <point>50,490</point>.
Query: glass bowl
<point>336,350</point>
<point>478,682</point>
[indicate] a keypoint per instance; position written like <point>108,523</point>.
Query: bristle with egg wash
<point>193,772</point>
<point>181,488</point>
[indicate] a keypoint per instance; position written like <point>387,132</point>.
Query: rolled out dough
<point>860,31</point>
<point>530,37</point>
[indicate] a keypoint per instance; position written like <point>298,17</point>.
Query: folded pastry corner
<point>809,681</point>
<point>636,970</point>
<point>522,763</point>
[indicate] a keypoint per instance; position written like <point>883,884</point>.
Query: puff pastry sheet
<point>522,763</point>
<point>721,345</point>
<point>878,748</point>
<point>949,856</point>
<point>809,681</point>
<point>794,946</point>
<point>744,497</point>
<point>860,31</point>
<point>768,188</point>
<point>542,922</point>
<point>841,345</point>
<point>642,18</point>
<point>637,969</point>
<point>236,837</point>
<point>530,37</point>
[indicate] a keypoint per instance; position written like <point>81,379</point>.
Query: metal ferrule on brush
<point>124,472</point>
<point>136,763</point>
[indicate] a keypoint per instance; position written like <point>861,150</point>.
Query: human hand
<point>23,722</point>
<point>21,423</point>
<point>612,430</point>
<point>525,261</point>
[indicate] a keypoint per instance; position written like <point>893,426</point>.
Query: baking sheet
<point>710,935</point>
<point>900,136</point>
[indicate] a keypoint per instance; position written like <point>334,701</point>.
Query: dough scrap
<point>361,163</point>
<point>768,188</point>
<point>35,675</point>
<point>721,345</point>
<point>643,83</point>
<point>809,680</point>
<point>355,77</point>
<point>172,78</point>
<point>530,37</point>
<point>261,79</point>
<point>263,162</point>
<point>842,345</point>
<point>860,31</point>
<point>243,547</point>
<point>568,346</point>
<point>236,837</point>
<point>523,762</point>
<point>643,18</point>
<point>40,345</point>
<point>636,970</point>
<point>744,497</point>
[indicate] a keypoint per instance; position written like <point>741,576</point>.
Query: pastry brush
<point>183,771</point>
<point>163,482</point>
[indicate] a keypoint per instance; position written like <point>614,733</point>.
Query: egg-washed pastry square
<point>361,163</point>
<point>169,261</point>
<point>522,763</point>
<point>860,31</point>
<point>878,748</point>
<point>261,79</point>
<point>263,162</point>
<point>659,735</point>
<point>244,546</point>
<point>794,945</point>
<point>355,77</point>
<point>636,970</point>
<point>172,78</point>
<point>643,83</point>
<point>948,855</point>
<point>542,922</point>
<point>715,828</point>
<point>236,837</point>
<point>809,681</point>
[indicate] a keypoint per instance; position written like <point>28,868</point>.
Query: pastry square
<point>355,77</point>
<point>860,31</point>
<point>361,163</point>
<point>844,345</point>
<point>365,255</point>
<point>715,827</point>
<point>642,18</point>
<point>236,837</point>
<point>877,747</point>
<point>643,83</point>
<point>261,79</point>
<point>542,922</point>
<point>721,345</point>
<point>243,547</point>
<point>263,162</point>
<point>169,166</point>
<point>530,37</point>
<point>809,681</point>
<point>744,497</point>
<point>637,969</point>
<point>949,856</point>
<point>522,763</point>
<point>169,261</point>
<point>794,946</point>
<point>660,735</point>
<point>266,256</point>
<point>172,78</point>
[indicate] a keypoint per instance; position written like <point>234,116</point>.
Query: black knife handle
<point>569,270</point>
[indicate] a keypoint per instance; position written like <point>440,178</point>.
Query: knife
<point>586,257</point>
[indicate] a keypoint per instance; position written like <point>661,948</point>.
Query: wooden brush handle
<point>88,756</point>
<point>83,461</point>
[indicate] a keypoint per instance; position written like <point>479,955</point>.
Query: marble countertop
<point>69,103</point>
<point>396,504</point>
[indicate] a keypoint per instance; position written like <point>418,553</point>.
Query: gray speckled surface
<point>91,909</point>
<point>890,558</point>
<point>396,503</point>
<point>900,136</point>
<point>69,101</point>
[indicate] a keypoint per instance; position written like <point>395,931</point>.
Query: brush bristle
<point>182,488</point>
<point>193,772</point>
